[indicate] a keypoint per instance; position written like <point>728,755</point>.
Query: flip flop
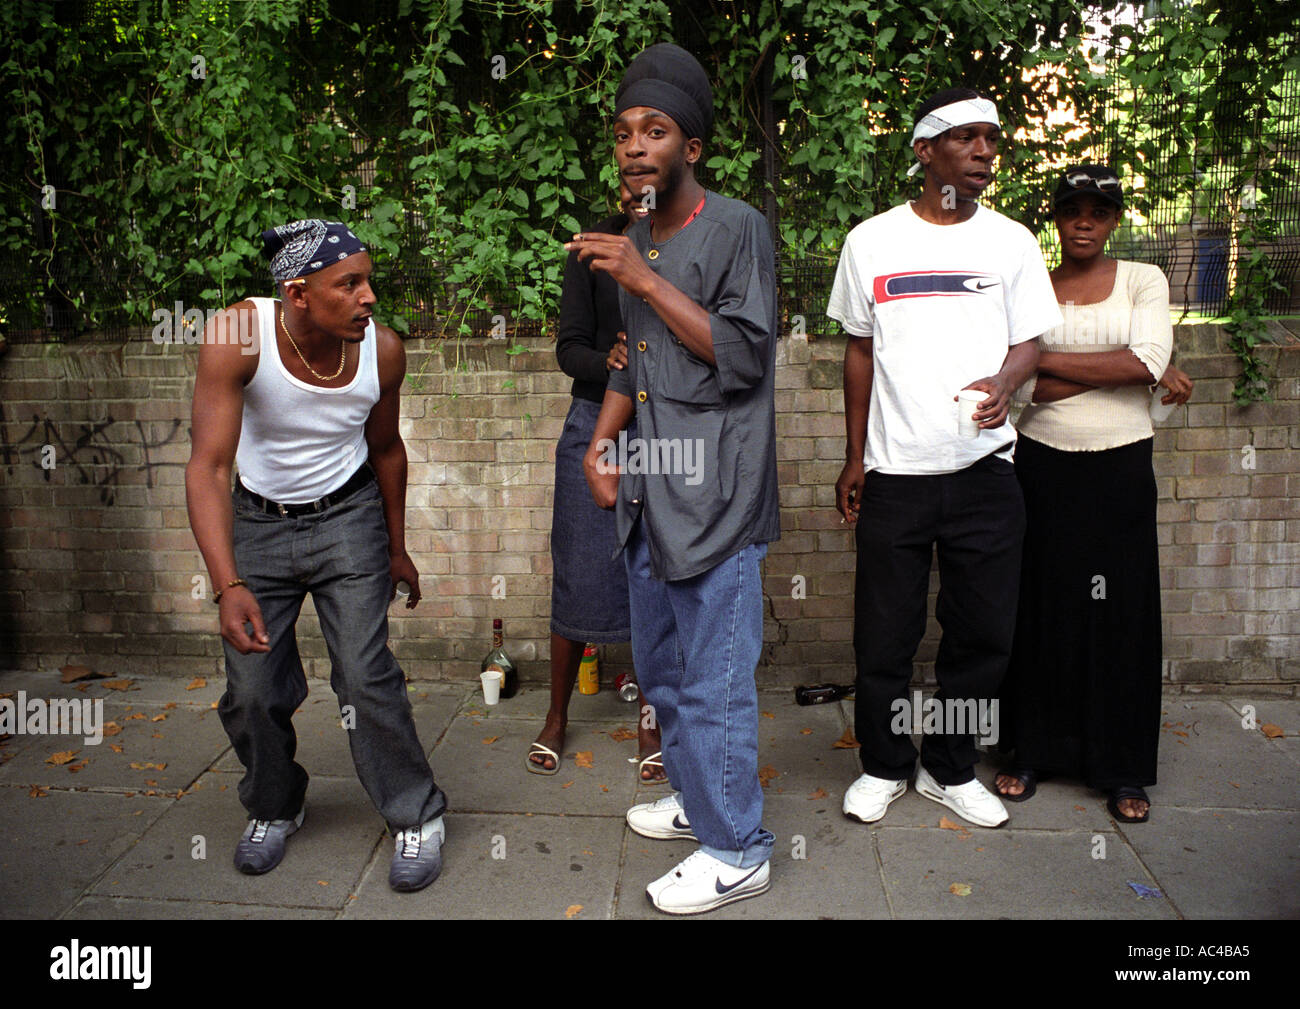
<point>1117,795</point>
<point>545,751</point>
<point>1027,778</point>
<point>654,760</point>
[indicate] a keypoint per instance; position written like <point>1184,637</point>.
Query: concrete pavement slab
<point>1208,759</point>
<point>502,866</point>
<point>1013,874</point>
<point>130,909</point>
<point>1223,863</point>
<point>170,753</point>
<point>480,765</point>
<point>323,861</point>
<point>54,846</point>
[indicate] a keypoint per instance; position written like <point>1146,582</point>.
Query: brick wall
<point>99,565</point>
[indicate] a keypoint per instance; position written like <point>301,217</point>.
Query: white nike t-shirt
<point>941,304</point>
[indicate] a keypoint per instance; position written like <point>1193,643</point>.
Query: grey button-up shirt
<point>701,471</point>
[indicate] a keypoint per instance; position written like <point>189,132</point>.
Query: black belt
<point>354,483</point>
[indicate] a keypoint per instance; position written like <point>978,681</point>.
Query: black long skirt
<point>1082,693</point>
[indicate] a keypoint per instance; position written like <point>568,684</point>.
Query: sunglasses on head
<point>1082,180</point>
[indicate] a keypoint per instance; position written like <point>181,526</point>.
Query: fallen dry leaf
<point>38,793</point>
<point>117,684</point>
<point>214,704</point>
<point>583,758</point>
<point>1234,784</point>
<point>960,889</point>
<point>158,718</point>
<point>147,766</point>
<point>112,728</point>
<point>489,740</point>
<point>198,683</point>
<point>73,673</point>
<point>132,718</point>
<point>322,882</point>
<point>74,768</point>
<point>946,824</point>
<point>622,734</point>
<point>767,714</point>
<point>818,794</point>
<point>846,741</point>
<point>766,774</point>
<point>115,747</point>
<point>61,758</point>
<point>805,732</point>
<point>572,910</point>
<point>566,784</point>
<point>1272,731</point>
<point>1081,809</point>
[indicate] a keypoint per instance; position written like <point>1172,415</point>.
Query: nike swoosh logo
<point>679,823</point>
<point>717,883</point>
<point>981,287</point>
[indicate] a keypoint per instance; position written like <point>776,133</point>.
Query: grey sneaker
<point>262,846</point>
<point>417,857</point>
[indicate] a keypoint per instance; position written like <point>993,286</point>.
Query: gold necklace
<point>343,357</point>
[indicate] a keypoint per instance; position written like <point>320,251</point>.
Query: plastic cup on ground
<point>968,401</point>
<point>491,681</point>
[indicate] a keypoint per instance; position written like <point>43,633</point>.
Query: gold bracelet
<point>238,581</point>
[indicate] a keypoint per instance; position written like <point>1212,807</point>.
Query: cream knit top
<point>1135,315</point>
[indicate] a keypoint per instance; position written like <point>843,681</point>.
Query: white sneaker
<point>867,798</point>
<point>701,883</point>
<point>663,819</point>
<point>971,801</point>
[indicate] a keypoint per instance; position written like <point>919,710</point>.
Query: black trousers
<point>976,516</point>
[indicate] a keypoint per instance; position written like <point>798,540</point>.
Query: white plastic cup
<point>968,401</point>
<point>403,589</point>
<point>491,681</point>
<point>1161,411</point>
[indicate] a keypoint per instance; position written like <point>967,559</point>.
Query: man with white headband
<point>937,295</point>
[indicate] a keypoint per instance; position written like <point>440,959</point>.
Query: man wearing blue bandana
<point>940,297</point>
<point>319,506</point>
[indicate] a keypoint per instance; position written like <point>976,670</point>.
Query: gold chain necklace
<point>343,357</point>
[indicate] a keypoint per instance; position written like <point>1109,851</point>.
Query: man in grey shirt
<point>696,491</point>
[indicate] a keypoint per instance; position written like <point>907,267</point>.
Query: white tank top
<point>300,442</point>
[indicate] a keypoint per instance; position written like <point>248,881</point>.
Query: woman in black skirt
<point>589,601</point>
<point>1082,694</point>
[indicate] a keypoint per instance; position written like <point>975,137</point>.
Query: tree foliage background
<point>148,142</point>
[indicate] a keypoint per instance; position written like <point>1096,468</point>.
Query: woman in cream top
<point>1082,693</point>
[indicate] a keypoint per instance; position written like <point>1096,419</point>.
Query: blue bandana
<point>302,247</point>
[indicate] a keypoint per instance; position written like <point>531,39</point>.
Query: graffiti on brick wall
<point>96,452</point>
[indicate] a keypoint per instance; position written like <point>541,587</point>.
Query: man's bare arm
<point>859,373</point>
<point>217,414</point>
<point>388,457</point>
<point>1021,362</point>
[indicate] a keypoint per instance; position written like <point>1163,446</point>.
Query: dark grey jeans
<point>340,556</point>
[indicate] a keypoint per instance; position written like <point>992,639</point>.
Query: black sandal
<point>1027,778</point>
<point>1117,795</point>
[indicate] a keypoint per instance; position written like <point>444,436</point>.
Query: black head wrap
<point>302,247</point>
<point>668,78</point>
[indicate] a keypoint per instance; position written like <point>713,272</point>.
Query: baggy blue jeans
<point>340,556</point>
<point>696,643</point>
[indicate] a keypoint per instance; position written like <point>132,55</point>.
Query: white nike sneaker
<point>663,819</point>
<point>701,883</point>
<point>971,801</point>
<point>867,798</point>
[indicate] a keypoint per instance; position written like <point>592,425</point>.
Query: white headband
<point>962,113</point>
